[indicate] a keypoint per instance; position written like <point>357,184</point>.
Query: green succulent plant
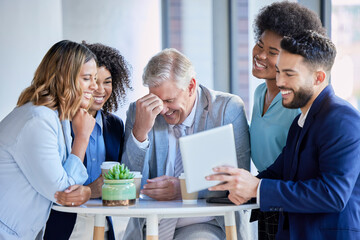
<point>119,172</point>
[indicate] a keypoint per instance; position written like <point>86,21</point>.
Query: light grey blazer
<point>213,109</point>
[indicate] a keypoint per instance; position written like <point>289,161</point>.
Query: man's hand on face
<point>147,108</point>
<point>164,188</point>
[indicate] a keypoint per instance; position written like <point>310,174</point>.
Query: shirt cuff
<point>258,194</point>
<point>75,169</point>
<point>142,145</point>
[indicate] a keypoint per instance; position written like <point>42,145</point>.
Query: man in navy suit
<point>314,183</point>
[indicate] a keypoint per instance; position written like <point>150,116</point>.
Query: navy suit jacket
<point>60,224</point>
<point>314,182</point>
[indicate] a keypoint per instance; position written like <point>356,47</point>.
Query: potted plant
<point>119,188</point>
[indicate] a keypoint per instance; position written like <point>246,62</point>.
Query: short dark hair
<point>286,19</point>
<point>115,63</point>
<point>317,50</point>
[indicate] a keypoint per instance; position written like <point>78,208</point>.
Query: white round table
<point>153,211</point>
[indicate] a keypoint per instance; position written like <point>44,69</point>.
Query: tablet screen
<point>205,150</point>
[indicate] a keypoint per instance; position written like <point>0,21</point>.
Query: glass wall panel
<point>345,32</point>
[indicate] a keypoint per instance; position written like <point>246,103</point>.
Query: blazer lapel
<point>296,155</point>
<point>201,113</point>
<point>68,136</point>
<point>108,143</point>
<point>105,136</point>
<point>314,109</point>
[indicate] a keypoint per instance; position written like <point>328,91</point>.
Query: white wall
<point>28,30</point>
<point>133,27</point>
<point>197,38</point>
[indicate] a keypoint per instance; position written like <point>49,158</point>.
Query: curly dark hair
<point>317,50</point>
<point>114,62</point>
<point>286,19</point>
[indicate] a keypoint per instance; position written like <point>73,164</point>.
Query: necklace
<point>267,102</point>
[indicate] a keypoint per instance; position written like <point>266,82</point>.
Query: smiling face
<point>295,81</point>
<point>177,102</point>
<point>87,79</point>
<point>265,55</point>
<point>104,90</point>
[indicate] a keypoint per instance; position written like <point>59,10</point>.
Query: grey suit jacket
<point>213,109</point>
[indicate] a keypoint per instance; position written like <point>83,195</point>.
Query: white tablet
<point>205,150</point>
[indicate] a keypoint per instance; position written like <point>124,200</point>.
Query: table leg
<point>152,228</point>
<point>230,226</point>
<point>99,227</point>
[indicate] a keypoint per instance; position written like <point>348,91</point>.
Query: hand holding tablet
<point>203,151</point>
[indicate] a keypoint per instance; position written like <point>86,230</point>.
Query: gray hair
<point>169,64</point>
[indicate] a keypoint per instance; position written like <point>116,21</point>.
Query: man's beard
<point>301,98</point>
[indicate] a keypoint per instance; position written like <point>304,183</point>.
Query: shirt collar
<point>302,118</point>
<point>99,121</point>
<point>188,122</point>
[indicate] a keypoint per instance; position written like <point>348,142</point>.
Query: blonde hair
<point>169,64</point>
<point>55,82</point>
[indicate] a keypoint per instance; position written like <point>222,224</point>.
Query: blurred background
<point>216,35</point>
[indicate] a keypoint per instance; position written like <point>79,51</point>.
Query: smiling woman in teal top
<point>270,121</point>
<point>269,131</point>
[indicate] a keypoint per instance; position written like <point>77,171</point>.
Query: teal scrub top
<point>268,133</point>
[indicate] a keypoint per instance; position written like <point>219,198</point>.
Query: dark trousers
<point>267,224</point>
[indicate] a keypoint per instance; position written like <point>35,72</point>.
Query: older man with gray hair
<point>176,102</point>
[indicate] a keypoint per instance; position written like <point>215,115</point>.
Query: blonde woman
<point>37,162</point>
<point>106,144</point>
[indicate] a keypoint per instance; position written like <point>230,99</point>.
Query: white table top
<point>144,208</point>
